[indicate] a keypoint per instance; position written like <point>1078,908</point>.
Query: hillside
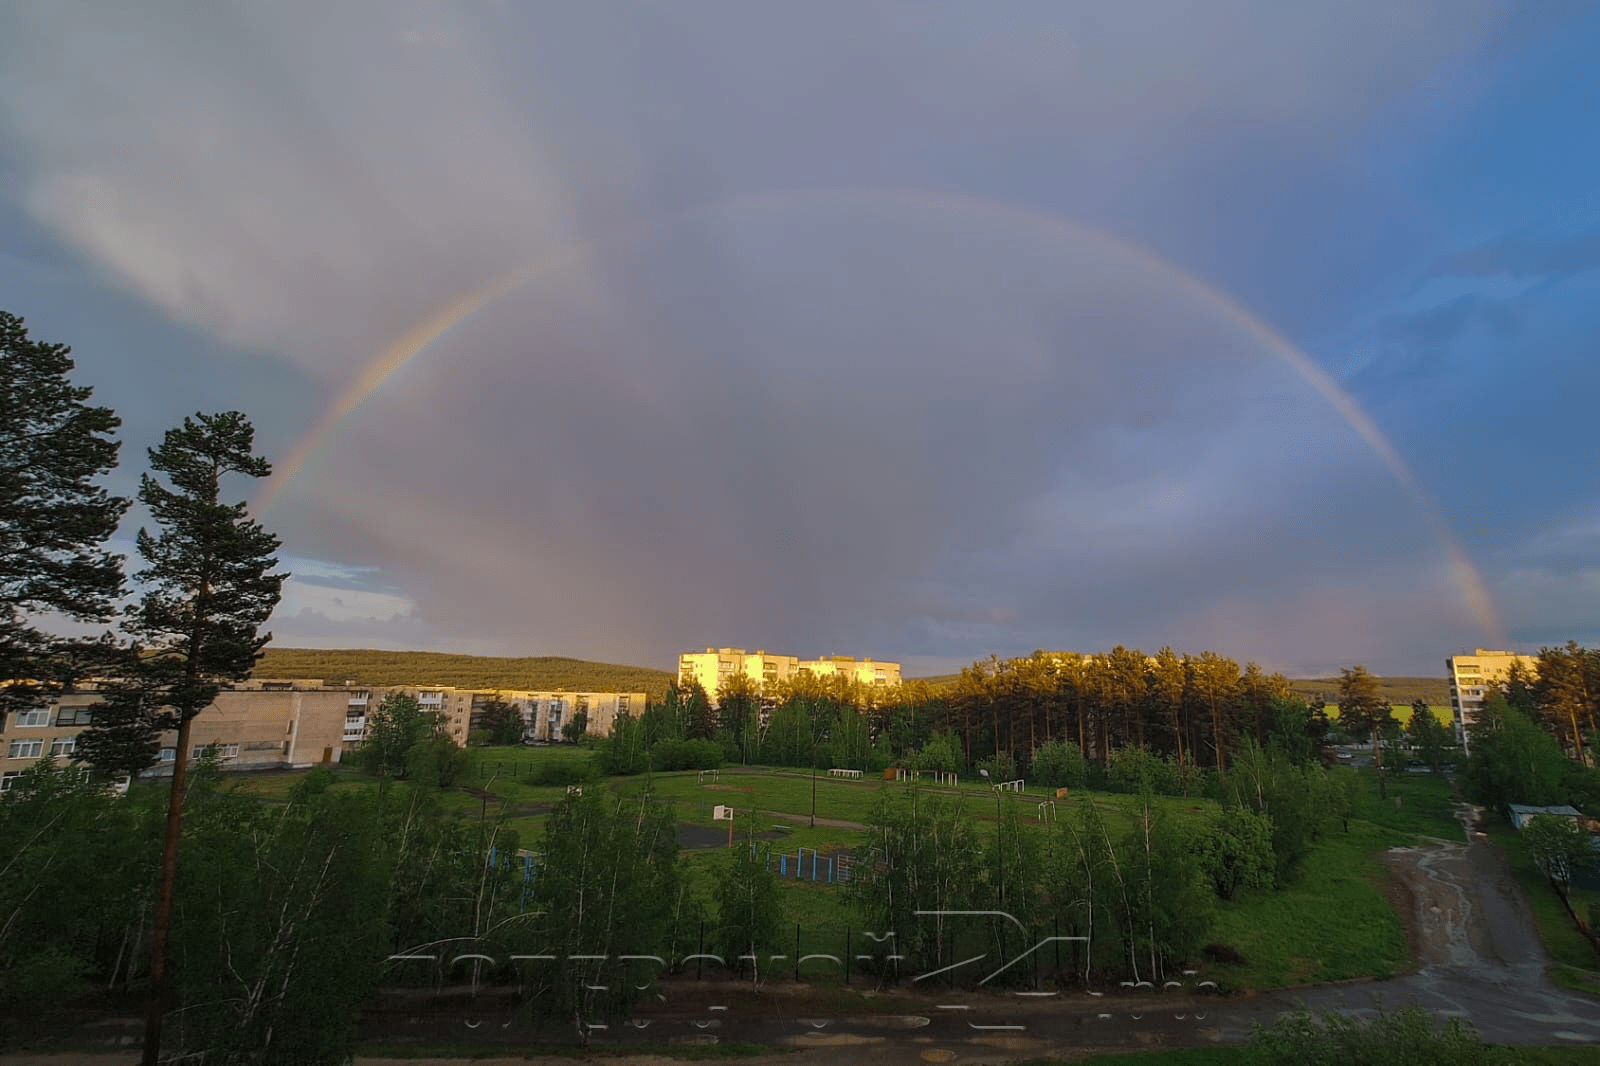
<point>367,667</point>
<point>1397,690</point>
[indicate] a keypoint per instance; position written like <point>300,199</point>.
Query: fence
<point>809,864</point>
<point>939,777</point>
<point>837,772</point>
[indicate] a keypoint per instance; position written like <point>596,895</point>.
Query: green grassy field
<point>1334,923</point>
<point>1426,806</point>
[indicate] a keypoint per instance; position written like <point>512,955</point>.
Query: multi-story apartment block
<point>714,666</point>
<point>279,724</point>
<point>259,725</point>
<point>1470,674</point>
<point>866,671</point>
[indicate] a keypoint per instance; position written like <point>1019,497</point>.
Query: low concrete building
<point>260,725</point>
<point>268,723</point>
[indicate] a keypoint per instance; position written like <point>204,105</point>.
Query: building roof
<point>1521,813</point>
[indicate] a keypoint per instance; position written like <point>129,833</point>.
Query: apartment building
<point>1470,674</point>
<point>865,671</point>
<point>714,666</point>
<point>543,713</point>
<point>262,724</point>
<point>296,723</point>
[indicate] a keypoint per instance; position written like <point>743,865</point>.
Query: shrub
<point>687,755</point>
<point>1058,765</point>
<point>1235,850</point>
<point>1401,1037</point>
<point>1001,767</point>
<point>1137,771</point>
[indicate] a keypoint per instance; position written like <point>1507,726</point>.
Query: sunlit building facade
<point>712,668</point>
<point>1469,676</point>
<point>266,724</point>
<point>864,671</point>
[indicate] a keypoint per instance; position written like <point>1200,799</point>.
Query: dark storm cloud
<point>823,421</point>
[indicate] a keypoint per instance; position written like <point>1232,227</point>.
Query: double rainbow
<point>420,337</point>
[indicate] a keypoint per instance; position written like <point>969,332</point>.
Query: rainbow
<point>420,337</point>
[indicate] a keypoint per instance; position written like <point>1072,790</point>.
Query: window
<point>169,754</point>
<point>63,745</point>
<point>73,716</point>
<point>24,749</point>
<point>221,751</point>
<point>622,704</point>
<point>9,779</point>
<point>35,716</point>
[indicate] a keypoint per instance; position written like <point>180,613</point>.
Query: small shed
<point>1586,876</point>
<point>1521,813</point>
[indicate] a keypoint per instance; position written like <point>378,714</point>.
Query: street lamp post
<point>813,781</point>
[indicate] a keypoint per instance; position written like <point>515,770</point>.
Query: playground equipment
<point>1047,811</point>
<point>1012,786</point>
<point>708,775</point>
<point>837,772</point>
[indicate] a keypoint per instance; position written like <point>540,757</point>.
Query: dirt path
<point>1478,951</point>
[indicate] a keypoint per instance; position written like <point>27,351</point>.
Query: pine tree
<point>208,590</point>
<point>53,518</point>
<point>1361,707</point>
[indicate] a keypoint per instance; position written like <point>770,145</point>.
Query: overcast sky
<point>909,330</point>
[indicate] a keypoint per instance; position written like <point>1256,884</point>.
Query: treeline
<point>1561,694</point>
<point>1195,711</point>
<point>480,672</point>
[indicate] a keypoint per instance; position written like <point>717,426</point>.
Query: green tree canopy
<point>53,517</point>
<point>1512,760</point>
<point>208,587</point>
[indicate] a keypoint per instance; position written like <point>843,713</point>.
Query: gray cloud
<point>842,421</point>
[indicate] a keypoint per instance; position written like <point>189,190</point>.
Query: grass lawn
<point>1334,923</point>
<point>1427,804</point>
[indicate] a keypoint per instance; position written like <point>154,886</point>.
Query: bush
<point>1235,850</point>
<point>687,755</point>
<point>1136,771</point>
<point>1402,1037</point>
<point>1058,765</point>
<point>1001,767</point>
<point>940,753</point>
